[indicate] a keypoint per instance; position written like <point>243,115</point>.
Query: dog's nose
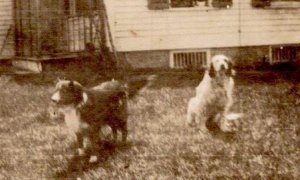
<point>54,100</point>
<point>55,97</point>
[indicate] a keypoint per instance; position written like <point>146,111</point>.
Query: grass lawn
<point>160,145</point>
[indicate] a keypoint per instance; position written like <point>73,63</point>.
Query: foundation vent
<point>283,54</point>
<point>189,59</point>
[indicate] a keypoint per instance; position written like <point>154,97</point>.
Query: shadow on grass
<point>78,165</point>
<point>216,132</point>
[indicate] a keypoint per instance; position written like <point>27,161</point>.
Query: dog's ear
<point>71,84</point>
<point>212,71</point>
<point>57,80</point>
<point>229,71</point>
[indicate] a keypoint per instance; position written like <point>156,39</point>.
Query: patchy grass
<point>160,145</point>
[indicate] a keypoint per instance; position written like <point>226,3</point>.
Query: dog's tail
<point>137,84</point>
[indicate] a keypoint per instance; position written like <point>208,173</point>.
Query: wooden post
<point>38,30</point>
<point>90,14</point>
<point>103,48</point>
<point>30,27</point>
<point>17,9</point>
<point>270,55</point>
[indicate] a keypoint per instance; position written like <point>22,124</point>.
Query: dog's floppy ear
<point>57,80</point>
<point>212,71</point>
<point>229,71</point>
<point>71,84</point>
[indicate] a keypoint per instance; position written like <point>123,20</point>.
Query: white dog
<point>213,97</point>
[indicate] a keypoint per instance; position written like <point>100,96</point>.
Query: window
<point>158,4</point>
<point>283,54</point>
<point>261,3</point>
<point>182,3</point>
<point>189,59</point>
<point>80,7</point>
<point>276,3</point>
<point>165,4</point>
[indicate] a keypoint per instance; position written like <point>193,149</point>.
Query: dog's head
<point>220,64</point>
<point>220,68</point>
<point>67,93</point>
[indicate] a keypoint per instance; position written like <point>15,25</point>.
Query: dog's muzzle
<point>55,98</point>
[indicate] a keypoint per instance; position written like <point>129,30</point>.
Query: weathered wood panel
<point>6,29</point>
<point>135,27</point>
<point>82,30</point>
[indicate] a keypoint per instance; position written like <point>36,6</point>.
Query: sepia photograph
<point>150,89</point>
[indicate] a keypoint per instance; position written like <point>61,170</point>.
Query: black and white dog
<point>86,111</point>
<point>214,96</point>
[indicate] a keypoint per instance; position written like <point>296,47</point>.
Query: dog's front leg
<point>91,144</point>
<point>115,134</point>
<point>124,133</point>
<point>229,95</point>
<point>202,123</point>
<point>228,104</point>
<point>80,144</point>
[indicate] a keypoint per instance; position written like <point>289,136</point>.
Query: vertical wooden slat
<point>181,60</point>
<point>175,57</point>
<point>80,31</point>
<point>84,30</point>
<point>68,33</point>
<point>17,9</point>
<point>197,59</point>
<point>38,28</point>
<point>189,58</point>
<point>73,33</point>
<point>194,59</point>
<point>271,55</point>
<point>185,59</point>
<point>30,28</point>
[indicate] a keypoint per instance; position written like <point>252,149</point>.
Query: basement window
<point>280,54</point>
<point>195,3</point>
<point>276,3</point>
<point>196,59</point>
<point>166,4</point>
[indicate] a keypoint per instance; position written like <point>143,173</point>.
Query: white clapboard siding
<point>6,29</point>
<point>134,27</point>
<point>270,26</point>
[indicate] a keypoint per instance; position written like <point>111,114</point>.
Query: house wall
<point>244,57</point>
<point>144,59</point>
<point>136,28</point>
<point>6,29</point>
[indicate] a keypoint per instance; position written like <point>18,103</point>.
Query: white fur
<point>84,100</point>
<point>231,122</point>
<point>56,96</point>
<point>72,118</point>
<point>208,95</point>
<point>93,159</point>
<point>218,60</point>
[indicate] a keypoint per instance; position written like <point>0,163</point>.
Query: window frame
<point>205,6</point>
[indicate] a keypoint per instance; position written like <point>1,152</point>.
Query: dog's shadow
<point>77,165</point>
<point>215,131</point>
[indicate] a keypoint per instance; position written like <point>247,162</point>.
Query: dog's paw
<point>80,152</point>
<point>93,159</point>
<point>204,130</point>
<point>232,122</point>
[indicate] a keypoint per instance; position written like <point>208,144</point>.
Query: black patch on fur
<point>229,70</point>
<point>212,71</point>
<point>70,93</point>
